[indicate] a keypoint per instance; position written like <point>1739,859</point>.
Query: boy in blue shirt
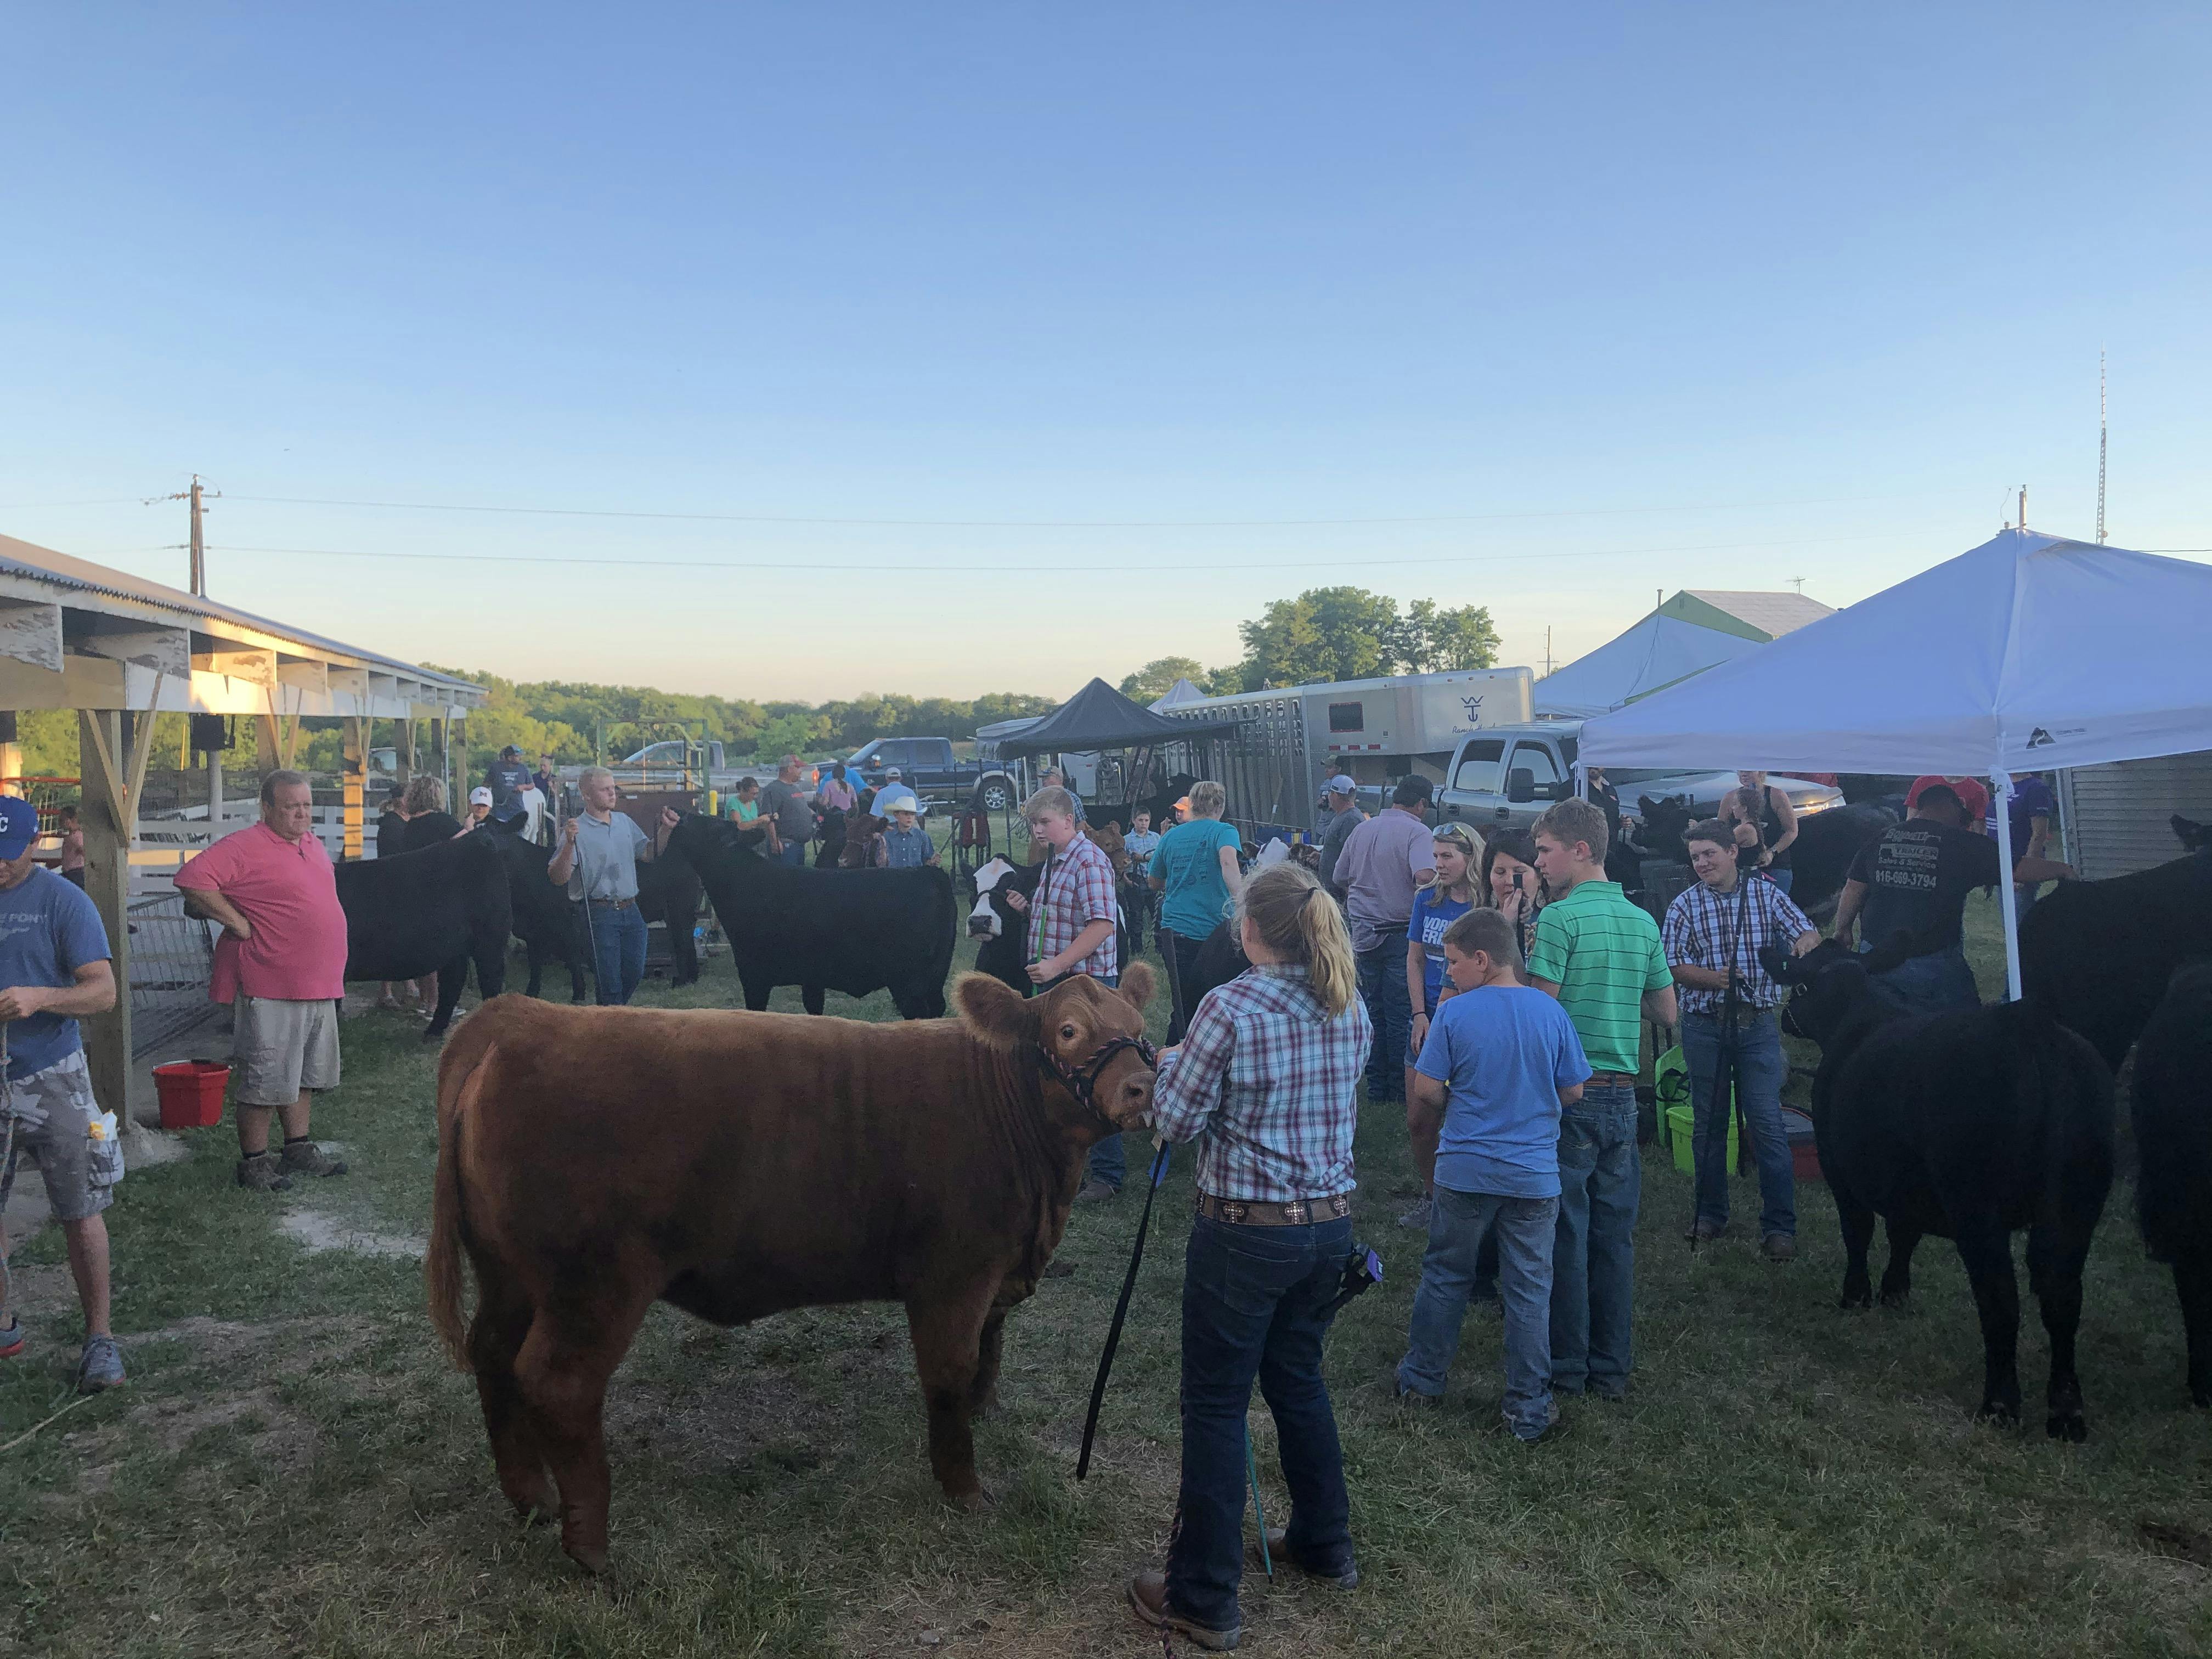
<point>1501,1062</point>
<point>904,844</point>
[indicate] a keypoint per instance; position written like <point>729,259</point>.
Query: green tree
<point>1324,634</point>
<point>1157,677</point>
<point>1225,681</point>
<point>1430,639</point>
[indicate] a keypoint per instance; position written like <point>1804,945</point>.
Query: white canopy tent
<point>1659,651</point>
<point>2028,653</point>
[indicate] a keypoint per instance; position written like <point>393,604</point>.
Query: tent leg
<point>2007,906</point>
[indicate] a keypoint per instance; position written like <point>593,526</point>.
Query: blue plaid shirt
<point>1700,923</point>
<point>1265,1082</point>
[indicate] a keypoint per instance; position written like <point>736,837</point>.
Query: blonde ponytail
<point>1298,922</point>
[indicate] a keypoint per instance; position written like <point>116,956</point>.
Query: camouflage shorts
<point>53,1112</point>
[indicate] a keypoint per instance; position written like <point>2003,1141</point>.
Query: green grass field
<point>293,1470</point>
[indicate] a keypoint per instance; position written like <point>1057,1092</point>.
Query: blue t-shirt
<point>48,930</point>
<point>1433,914</point>
<point>1505,1051</point>
<point>1196,900</point>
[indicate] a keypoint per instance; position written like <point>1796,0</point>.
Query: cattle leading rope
<point>1121,1310</point>
<point>7,1174</point>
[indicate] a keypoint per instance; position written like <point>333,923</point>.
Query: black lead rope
<point>1121,1312</point>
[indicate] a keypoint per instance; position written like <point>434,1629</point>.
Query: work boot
<point>1148,1600</point>
<point>1095,1191</point>
<point>1703,1232</point>
<point>1778,1247</point>
<point>259,1174</point>
<point>305,1157</point>
<point>1279,1549</point>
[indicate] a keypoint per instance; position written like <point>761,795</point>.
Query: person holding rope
<point>597,862</point>
<point>55,965</point>
<point>1267,1083</point>
<point>1712,935</point>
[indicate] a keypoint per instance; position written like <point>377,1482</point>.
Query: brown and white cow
<point>592,1161</point>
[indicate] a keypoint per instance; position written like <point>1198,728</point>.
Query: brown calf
<point>592,1161</point>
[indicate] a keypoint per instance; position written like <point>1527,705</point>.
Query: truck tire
<point>997,794</point>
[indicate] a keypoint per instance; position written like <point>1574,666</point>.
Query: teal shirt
<point>1188,860</point>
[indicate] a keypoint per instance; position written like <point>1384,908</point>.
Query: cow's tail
<point>460,1081</point>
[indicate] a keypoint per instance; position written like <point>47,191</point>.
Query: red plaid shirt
<point>1076,889</point>
<point>1266,1083</point>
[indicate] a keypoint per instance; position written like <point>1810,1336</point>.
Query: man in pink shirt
<point>281,961</point>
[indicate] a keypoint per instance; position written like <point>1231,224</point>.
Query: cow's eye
<point>1067,1034</point>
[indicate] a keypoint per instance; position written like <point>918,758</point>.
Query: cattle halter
<point>1082,1081</point>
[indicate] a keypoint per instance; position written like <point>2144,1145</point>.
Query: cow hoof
<point>2002,1416</point>
<point>433,1033</point>
<point>1897,1299</point>
<point>2070,1426</point>
<point>977,1501</point>
<point>592,1560</point>
<point>1854,1299</point>
<point>2200,1397</point>
<point>986,1408</point>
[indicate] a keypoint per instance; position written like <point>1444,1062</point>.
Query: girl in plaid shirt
<point>1266,1083</point>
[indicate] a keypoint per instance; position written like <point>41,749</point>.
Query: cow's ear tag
<point>994,1012</point>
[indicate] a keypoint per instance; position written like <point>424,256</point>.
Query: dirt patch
<point>319,1231</point>
<point>272,1429</point>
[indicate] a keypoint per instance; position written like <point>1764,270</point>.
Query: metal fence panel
<point>172,960</point>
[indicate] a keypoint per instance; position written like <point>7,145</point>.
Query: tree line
<point>1333,634</point>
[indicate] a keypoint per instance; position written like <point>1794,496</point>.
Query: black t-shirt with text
<point>1918,876</point>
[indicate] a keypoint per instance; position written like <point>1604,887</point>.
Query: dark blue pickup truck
<point>929,767</point>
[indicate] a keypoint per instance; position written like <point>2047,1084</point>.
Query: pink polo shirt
<point>290,892</point>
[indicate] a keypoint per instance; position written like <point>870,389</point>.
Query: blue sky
<point>1548,312</point>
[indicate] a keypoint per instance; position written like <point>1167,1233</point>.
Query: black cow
<point>830,839</point>
<point>1970,1126</point>
<point>2106,950</point>
<point>854,931</point>
<point>1004,951</point>
<point>668,891</point>
<point>2172,1099</point>
<point>430,912</point>
<point>544,919</point>
<point>1827,842</point>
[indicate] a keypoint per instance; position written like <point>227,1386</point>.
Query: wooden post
<point>264,726</point>
<point>11,750</point>
<point>105,765</point>
<point>355,780</point>
<point>461,784</point>
<point>215,791</point>
<point>435,766</point>
<point>403,753</point>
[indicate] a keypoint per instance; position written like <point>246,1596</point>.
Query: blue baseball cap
<point>19,825</point>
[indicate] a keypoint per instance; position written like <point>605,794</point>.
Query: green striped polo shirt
<point>1603,953</point>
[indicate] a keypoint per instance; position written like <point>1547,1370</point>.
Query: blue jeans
<point>1523,1229</point>
<point>1383,988</point>
<point>794,853</point>
<point>617,941</point>
<point>1782,877</point>
<point>1252,1300</point>
<point>1594,1252</point>
<point>1760,1072</point>
<point>1933,984</point>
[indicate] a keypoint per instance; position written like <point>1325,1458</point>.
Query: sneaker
<point>259,1174</point>
<point>1419,1215</point>
<point>12,1340</point>
<point>100,1366</point>
<point>1279,1549</point>
<point>1148,1600</point>
<point>1778,1247</point>
<point>1406,1396</point>
<point>1095,1191</point>
<point>1553,1429</point>
<point>1704,1232</point>
<point>305,1157</point>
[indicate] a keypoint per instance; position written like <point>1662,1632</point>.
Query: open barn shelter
<point>118,650</point>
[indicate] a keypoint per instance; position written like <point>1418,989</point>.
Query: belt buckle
<point>1295,1212</point>
<point>1339,1206</point>
<point>1234,1214</point>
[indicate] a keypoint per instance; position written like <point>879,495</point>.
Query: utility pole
<point>1798,582</point>
<point>195,579</point>
<point>1547,650</point>
<point>2023,507</point>
<point>2100,449</point>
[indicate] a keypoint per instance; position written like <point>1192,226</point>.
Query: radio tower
<point>2100,449</point>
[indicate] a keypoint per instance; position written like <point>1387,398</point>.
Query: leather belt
<point>1298,1213</point>
<point>1614,1079</point>
<point>613,904</point>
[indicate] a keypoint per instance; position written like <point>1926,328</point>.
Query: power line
<point>1056,524</point>
<point>933,567</point>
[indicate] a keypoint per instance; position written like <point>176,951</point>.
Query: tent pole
<point>2007,906</point>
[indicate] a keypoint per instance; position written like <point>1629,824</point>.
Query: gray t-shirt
<point>794,818</point>
<point>1332,839</point>
<point>606,858</point>
<point>1379,869</point>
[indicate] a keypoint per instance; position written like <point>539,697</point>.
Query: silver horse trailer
<point>1290,742</point>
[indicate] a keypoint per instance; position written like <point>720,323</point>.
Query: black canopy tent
<point>1099,717</point>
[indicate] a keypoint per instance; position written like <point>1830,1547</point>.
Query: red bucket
<point>190,1092</point>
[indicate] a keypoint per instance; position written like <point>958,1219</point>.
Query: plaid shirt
<point>1265,1082</point>
<point>1076,889</point>
<point>1699,924</point>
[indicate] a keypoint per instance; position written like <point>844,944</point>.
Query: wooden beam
<point>164,650</point>
<point>32,633</point>
<point>355,780</point>
<point>107,828</point>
